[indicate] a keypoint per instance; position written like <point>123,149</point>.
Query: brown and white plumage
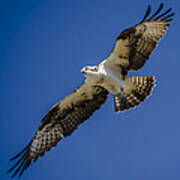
<point>142,89</point>
<point>62,119</point>
<point>133,47</point>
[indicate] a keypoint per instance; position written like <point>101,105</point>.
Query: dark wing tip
<point>148,11</point>
<point>22,164</point>
<point>19,154</point>
<point>156,16</point>
<point>157,12</point>
<point>166,18</point>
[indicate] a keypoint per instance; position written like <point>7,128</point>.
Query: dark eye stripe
<point>96,69</point>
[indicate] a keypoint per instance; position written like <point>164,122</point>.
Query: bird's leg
<point>120,101</point>
<point>122,91</point>
<point>122,95</point>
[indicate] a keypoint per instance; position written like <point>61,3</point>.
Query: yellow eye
<point>86,69</point>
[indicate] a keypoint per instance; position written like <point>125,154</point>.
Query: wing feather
<point>148,11</point>
<point>62,119</point>
<point>134,45</point>
<point>157,12</point>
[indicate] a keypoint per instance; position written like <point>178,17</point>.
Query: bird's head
<point>90,71</point>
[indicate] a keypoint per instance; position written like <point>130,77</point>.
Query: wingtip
<point>19,154</point>
<point>154,16</point>
<point>161,5</point>
<point>23,162</point>
<point>148,11</point>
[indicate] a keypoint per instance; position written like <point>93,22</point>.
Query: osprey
<point>132,48</point>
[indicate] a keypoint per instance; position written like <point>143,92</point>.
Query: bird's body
<point>102,75</point>
<point>132,49</point>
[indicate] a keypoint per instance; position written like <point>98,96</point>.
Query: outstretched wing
<point>62,119</point>
<point>134,45</point>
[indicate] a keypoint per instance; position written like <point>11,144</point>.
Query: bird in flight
<point>132,49</point>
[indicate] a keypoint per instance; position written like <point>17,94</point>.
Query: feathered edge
<point>23,163</point>
<point>24,156</point>
<point>166,16</point>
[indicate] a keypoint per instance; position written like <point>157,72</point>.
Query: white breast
<point>113,81</point>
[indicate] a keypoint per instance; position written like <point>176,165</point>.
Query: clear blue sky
<point>43,46</point>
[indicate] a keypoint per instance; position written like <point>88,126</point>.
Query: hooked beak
<point>83,70</point>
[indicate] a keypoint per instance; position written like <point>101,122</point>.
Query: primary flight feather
<point>132,48</point>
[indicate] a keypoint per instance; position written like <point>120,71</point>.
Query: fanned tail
<point>141,89</point>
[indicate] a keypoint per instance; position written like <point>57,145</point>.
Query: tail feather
<point>141,89</point>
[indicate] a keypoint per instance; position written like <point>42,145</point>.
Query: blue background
<point>43,46</point>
